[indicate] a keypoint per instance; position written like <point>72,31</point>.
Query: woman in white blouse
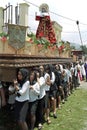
<point>34,96</point>
<point>22,98</point>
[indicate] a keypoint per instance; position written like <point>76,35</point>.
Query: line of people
<point>37,92</point>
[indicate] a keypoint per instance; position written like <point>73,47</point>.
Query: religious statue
<point>45,28</point>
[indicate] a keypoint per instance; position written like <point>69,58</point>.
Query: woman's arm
<point>24,88</point>
<point>53,78</point>
<point>41,81</point>
<point>48,81</point>
<point>35,88</point>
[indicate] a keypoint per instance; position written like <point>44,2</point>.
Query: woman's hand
<point>15,82</point>
<point>31,87</point>
<point>16,85</point>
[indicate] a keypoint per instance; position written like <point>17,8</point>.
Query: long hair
<point>49,67</point>
<point>35,77</point>
<point>25,75</point>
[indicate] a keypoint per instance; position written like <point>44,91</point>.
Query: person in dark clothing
<point>22,98</point>
<point>58,80</point>
<point>85,65</point>
<point>53,88</point>
<point>41,100</point>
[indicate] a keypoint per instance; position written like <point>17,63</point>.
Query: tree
<point>72,47</point>
<point>84,49</point>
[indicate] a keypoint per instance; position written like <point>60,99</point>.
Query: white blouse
<point>42,87</point>
<point>47,88</point>
<point>24,92</point>
<point>34,93</point>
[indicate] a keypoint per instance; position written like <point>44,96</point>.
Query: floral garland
<point>43,42</point>
<point>61,47</point>
<point>40,42</point>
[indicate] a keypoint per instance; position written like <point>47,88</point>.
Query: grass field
<point>72,116</point>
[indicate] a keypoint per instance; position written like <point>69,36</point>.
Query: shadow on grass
<point>7,120</point>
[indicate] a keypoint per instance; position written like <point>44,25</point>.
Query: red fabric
<point>80,76</point>
<point>37,18</point>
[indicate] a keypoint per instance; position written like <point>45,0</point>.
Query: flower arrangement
<point>3,37</point>
<point>61,47</point>
<point>41,41</point>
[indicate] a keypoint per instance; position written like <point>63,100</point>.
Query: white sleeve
<point>42,81</point>
<point>24,88</point>
<point>36,89</point>
<point>53,78</point>
<point>46,75</point>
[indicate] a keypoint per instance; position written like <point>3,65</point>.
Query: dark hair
<point>25,75</point>
<point>35,77</point>
<point>64,66</point>
<point>50,69</point>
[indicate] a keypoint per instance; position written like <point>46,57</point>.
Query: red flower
<point>31,41</point>
<point>3,39</point>
<point>53,41</point>
<point>37,18</point>
<point>40,45</point>
<point>53,48</point>
<point>62,47</point>
<point>41,34</point>
<point>59,48</point>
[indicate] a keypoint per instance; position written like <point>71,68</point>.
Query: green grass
<point>72,116</point>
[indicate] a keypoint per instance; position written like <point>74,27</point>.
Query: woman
<point>22,98</point>
<point>50,93</point>
<point>53,88</point>
<point>41,101</point>
<point>47,90</point>
<point>58,80</point>
<point>34,96</point>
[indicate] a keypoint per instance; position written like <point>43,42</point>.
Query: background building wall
<point>58,30</point>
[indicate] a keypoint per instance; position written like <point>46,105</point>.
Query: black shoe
<point>54,115</point>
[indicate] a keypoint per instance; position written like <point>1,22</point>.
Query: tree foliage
<point>84,49</point>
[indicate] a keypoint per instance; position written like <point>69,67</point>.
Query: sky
<point>68,12</point>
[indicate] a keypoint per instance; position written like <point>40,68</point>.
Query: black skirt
<point>21,109</point>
